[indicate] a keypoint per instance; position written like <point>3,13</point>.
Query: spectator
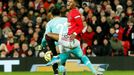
<point>6,22</point>
<point>14,21</point>
<point>59,4</point>
<point>39,21</point>
<point>99,35</point>
<point>48,4</point>
<point>3,51</point>
<point>25,24</point>
<point>36,37</point>
<point>123,20</point>
<point>98,10</point>
<point>119,10</point>
<point>22,39</point>
<point>89,52</point>
<point>3,54</point>
<point>108,10</point>
<point>24,50</point>
<point>15,54</point>
<point>30,33</point>
<point>115,4</point>
<point>21,13</point>
<point>89,15</point>
<point>18,33</point>
<point>94,23</point>
<point>88,35</point>
<point>111,32</point>
<point>10,42</point>
<point>96,48</point>
<point>129,3</point>
<point>116,44</point>
<point>119,30</point>
<point>129,12</point>
<point>87,10</point>
<point>3,47</point>
<point>31,5</point>
<point>128,34</point>
<point>31,16</point>
<point>106,48</point>
<point>104,25</point>
<point>11,13</point>
<point>16,46</point>
<point>110,19</point>
<point>38,4</point>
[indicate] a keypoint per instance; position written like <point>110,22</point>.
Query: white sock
<point>56,74</point>
<point>55,56</point>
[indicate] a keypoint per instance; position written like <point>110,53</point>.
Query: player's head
<point>55,11</point>
<point>71,4</point>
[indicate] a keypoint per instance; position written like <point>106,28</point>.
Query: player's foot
<point>99,73</point>
<point>103,67</point>
<point>64,73</point>
<point>100,69</point>
<point>53,61</point>
<point>61,68</point>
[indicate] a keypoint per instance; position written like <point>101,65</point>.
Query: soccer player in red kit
<point>74,19</point>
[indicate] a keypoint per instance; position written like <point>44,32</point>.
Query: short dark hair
<point>77,3</point>
<point>55,11</point>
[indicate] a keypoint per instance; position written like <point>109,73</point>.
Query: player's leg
<point>60,48</point>
<point>61,59</point>
<point>51,44</point>
<point>78,53</point>
<point>64,72</point>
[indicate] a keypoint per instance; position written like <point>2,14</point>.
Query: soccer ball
<point>47,56</point>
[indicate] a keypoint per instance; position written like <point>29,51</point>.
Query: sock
<point>55,68</point>
<point>55,56</point>
<point>55,74</point>
<point>87,62</point>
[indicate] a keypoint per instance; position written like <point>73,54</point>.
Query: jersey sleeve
<point>79,24</point>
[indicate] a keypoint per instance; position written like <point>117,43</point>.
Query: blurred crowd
<point>108,26</point>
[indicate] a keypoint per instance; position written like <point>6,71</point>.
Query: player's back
<point>58,25</point>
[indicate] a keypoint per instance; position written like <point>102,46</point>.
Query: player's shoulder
<point>64,18</point>
<point>75,10</point>
<point>61,19</point>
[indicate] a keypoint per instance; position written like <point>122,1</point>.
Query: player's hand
<point>72,36</point>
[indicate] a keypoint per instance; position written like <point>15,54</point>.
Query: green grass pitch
<point>69,73</point>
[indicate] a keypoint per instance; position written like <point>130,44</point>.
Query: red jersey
<point>75,22</point>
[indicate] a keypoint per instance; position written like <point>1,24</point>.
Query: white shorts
<point>65,41</point>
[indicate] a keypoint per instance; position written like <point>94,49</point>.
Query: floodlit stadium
<point>95,36</point>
